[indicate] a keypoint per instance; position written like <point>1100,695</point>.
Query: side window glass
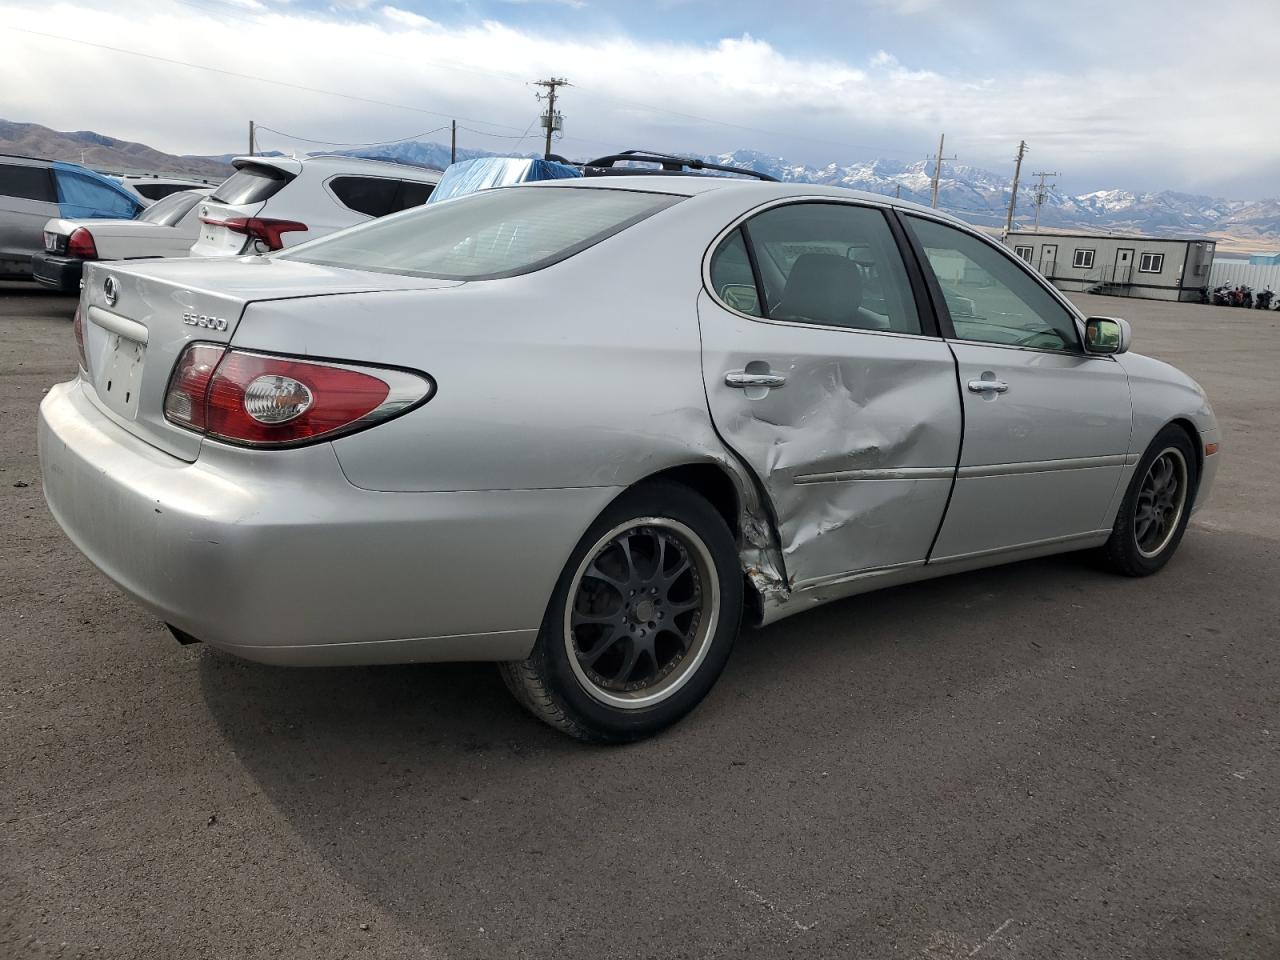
<point>412,193</point>
<point>991,299</point>
<point>833,264</point>
<point>372,196</point>
<point>731,275</point>
<point>26,182</point>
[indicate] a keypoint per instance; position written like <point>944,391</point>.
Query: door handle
<point>988,386</point>
<point>743,380</point>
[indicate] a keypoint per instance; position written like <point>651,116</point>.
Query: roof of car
<point>340,162</point>
<point>698,184</point>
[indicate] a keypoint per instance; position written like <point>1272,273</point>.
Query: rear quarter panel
<point>586,373</point>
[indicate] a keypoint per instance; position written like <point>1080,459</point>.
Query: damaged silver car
<point>585,428</point>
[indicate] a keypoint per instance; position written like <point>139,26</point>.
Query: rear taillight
<point>262,229</point>
<point>184,401</point>
<point>77,324</point>
<point>262,400</point>
<point>80,244</point>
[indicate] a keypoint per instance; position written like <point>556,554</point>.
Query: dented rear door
<point>854,433</point>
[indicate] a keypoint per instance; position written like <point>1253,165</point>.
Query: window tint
<point>495,233</point>
<point>412,193</point>
<point>169,210</point>
<point>832,264</point>
<point>158,191</point>
<point>26,183</point>
<point>251,184</point>
<point>991,299</point>
<point>731,276</point>
<point>372,196</point>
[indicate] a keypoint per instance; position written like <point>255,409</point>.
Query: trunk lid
<point>139,317</point>
<point>243,194</point>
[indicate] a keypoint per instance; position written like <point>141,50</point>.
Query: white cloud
<point>1197,126</point>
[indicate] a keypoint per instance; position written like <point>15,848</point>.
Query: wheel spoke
<point>596,652</point>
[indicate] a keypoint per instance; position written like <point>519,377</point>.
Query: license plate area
<point>120,377</point>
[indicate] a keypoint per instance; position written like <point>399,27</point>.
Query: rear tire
<point>1156,507</point>
<point>641,622</point>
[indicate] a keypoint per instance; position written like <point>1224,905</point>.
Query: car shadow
<point>428,789</point>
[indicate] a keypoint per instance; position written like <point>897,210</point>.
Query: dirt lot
<point>1035,761</point>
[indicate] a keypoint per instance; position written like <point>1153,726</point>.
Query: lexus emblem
<point>109,291</point>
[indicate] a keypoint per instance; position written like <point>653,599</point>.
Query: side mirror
<point>1107,335</point>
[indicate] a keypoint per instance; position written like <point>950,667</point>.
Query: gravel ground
<point>1033,761</point>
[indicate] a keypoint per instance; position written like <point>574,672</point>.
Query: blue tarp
<point>482,173</point>
<point>83,194</point>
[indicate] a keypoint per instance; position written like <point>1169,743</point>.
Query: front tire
<point>1153,517</point>
<point>641,621</point>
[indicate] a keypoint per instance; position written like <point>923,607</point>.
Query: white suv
<point>275,202</point>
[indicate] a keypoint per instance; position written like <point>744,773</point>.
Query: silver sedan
<point>586,428</point>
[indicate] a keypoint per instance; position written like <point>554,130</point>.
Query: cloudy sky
<point>1145,94</point>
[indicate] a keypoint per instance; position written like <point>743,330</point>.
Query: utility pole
<point>937,169</point>
<point>453,141</point>
<point>1013,198</point>
<point>897,191</point>
<point>1042,192</point>
<point>551,119</point>
<point>251,138</point>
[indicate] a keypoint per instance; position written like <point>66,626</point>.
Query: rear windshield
<point>487,235</point>
<point>169,210</point>
<point>251,184</point>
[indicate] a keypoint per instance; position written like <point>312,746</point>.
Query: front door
<point>1124,266</point>
<point>821,376</point>
<point>1048,254</point>
<point>1046,426</point>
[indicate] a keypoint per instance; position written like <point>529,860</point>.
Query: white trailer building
<point>1155,268</point>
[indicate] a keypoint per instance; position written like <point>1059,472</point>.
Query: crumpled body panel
<point>857,450</point>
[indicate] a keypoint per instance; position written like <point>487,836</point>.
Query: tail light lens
<point>266,231</point>
<point>184,401</point>
<point>263,400</point>
<point>77,325</point>
<point>80,244</point>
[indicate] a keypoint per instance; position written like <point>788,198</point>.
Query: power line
<point>248,76</point>
<point>340,143</point>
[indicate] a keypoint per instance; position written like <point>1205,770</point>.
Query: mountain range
<point>972,193</point>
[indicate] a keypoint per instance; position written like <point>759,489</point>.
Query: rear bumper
<point>60,273</point>
<point>275,557</point>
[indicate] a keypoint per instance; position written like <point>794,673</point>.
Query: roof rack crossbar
<point>673,163</point>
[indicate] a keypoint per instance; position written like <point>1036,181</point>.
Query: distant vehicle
<point>149,188</point>
<point>167,228</point>
<point>32,191</point>
<point>584,427</point>
<point>275,202</point>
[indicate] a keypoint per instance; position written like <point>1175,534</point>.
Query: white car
<point>149,189</point>
<point>167,228</point>
<point>275,202</point>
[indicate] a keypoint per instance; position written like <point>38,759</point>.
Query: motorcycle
<point>1263,300</point>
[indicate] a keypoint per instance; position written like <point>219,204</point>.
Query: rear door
<point>28,199</point>
<point>1046,426</point>
<point>243,194</point>
<point>823,375</point>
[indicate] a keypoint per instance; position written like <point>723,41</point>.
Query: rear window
<point>26,183</point>
<point>158,191</point>
<point>372,196</point>
<point>171,209</point>
<point>251,184</point>
<point>487,235</point>
<point>412,193</point>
